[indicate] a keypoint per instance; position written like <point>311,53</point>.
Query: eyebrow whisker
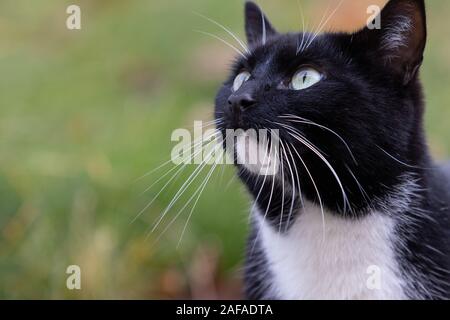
<point>241,43</point>
<point>324,24</point>
<point>224,41</point>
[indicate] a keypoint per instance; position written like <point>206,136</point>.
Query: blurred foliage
<point>83,114</point>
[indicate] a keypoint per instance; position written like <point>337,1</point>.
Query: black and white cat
<point>357,198</point>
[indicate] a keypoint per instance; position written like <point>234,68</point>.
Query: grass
<point>85,113</point>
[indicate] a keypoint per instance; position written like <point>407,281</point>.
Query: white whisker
<point>180,211</point>
<point>192,156</point>
<point>262,185</point>
<point>291,209</point>
<point>324,24</point>
<point>241,43</point>
<point>316,189</point>
<point>303,26</point>
<point>267,208</point>
<point>401,162</point>
<point>185,185</point>
<point>306,121</point>
<point>302,136</point>
<point>282,192</point>
<point>196,201</point>
<point>223,41</point>
<point>312,34</point>
<point>199,140</point>
<point>361,189</point>
<point>327,163</point>
<point>296,175</point>
<point>174,176</point>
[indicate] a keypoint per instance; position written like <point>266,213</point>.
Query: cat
<point>358,209</point>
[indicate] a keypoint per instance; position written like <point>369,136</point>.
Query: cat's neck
<point>326,256</point>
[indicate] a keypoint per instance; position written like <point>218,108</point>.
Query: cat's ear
<point>257,26</point>
<point>400,38</point>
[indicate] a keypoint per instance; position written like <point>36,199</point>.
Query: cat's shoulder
<point>446,170</point>
<point>441,182</point>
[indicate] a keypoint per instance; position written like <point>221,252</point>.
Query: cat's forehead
<point>274,47</point>
<point>289,48</point>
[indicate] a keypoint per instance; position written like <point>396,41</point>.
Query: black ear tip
<point>251,6</point>
<point>420,3</point>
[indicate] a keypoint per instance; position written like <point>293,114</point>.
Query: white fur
<point>256,156</point>
<point>397,34</point>
<point>332,262</point>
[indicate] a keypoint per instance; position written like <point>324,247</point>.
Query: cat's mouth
<point>257,151</point>
<point>236,121</point>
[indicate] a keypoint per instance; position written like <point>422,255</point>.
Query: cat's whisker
<point>297,119</point>
<point>295,134</point>
<point>312,34</point>
<point>210,123</point>
<point>192,156</point>
<point>176,216</point>
<point>174,176</point>
<point>223,41</point>
<point>185,186</point>
<point>301,135</point>
<point>255,203</point>
<point>230,182</point>
<point>324,24</point>
<point>222,173</point>
<point>291,209</point>
<point>154,170</point>
<point>200,188</point>
<point>227,30</point>
<point>330,167</point>
<point>319,25</point>
<point>319,198</point>
<point>282,193</point>
<point>268,205</point>
<point>361,188</point>
<point>302,204</point>
<point>303,27</point>
<point>402,162</point>
<point>203,186</point>
<point>171,160</point>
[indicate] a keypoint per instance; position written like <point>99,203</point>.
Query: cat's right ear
<point>399,41</point>
<point>257,26</point>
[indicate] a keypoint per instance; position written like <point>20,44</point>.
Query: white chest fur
<point>340,259</point>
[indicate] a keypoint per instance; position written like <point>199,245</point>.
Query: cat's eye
<point>240,79</point>
<point>305,78</point>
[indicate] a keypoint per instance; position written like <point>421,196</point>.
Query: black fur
<point>372,97</point>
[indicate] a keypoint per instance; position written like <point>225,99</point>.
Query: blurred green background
<point>84,113</point>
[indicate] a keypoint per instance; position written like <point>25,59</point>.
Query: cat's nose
<point>241,102</point>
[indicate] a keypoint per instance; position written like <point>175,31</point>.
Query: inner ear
<point>257,26</point>
<point>400,43</point>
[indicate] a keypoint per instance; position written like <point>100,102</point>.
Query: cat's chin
<point>255,156</point>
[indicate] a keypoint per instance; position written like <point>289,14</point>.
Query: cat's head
<point>353,99</point>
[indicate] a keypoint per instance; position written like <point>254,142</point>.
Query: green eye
<point>305,78</point>
<point>240,79</point>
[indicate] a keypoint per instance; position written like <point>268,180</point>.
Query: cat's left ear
<point>257,26</point>
<point>400,40</point>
